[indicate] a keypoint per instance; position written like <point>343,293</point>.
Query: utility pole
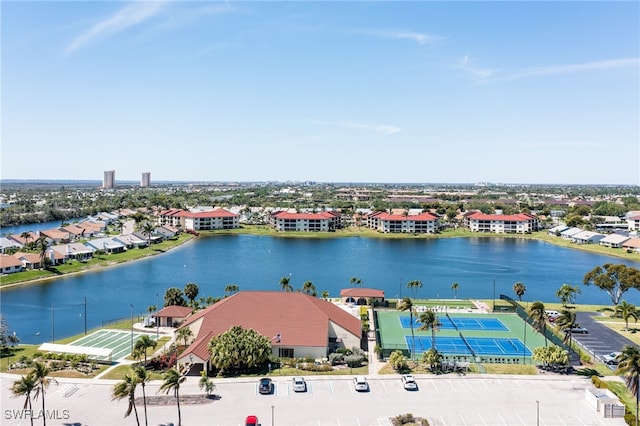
<point>85,315</point>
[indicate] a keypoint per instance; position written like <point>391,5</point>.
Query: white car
<point>611,358</point>
<point>360,384</point>
<point>299,385</point>
<point>409,382</point>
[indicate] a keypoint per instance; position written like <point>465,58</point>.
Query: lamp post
<point>537,413</point>
<point>157,319</point>
<point>272,414</point>
<point>131,304</point>
<point>494,296</point>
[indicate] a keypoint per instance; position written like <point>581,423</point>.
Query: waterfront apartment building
<point>306,222</point>
<point>422,223</point>
<point>109,179</point>
<point>520,223</point>
<point>200,219</point>
<point>145,181</point>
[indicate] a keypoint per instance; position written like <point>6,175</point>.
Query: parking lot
<point>444,400</point>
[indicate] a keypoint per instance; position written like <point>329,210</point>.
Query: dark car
<point>266,386</point>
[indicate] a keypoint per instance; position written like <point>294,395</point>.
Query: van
<point>552,315</point>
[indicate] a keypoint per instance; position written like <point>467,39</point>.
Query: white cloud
<point>482,73</point>
<point>133,14</point>
<point>378,128</point>
<point>420,38</point>
<point>572,68</point>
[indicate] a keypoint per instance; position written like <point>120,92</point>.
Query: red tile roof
<point>174,311</point>
<point>305,216</point>
<point>300,319</point>
<point>209,214</point>
<point>632,243</point>
<point>401,217</point>
<point>7,261</point>
<point>512,217</point>
<point>361,292</point>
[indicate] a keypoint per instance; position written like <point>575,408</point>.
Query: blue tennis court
<point>480,346</point>
<point>467,323</point>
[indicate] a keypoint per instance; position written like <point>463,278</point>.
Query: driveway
<point>601,339</point>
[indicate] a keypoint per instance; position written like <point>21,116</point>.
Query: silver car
<point>360,384</point>
<point>409,382</point>
<point>299,385</point>
<point>611,358</point>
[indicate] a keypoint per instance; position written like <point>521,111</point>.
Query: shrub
<point>600,384</point>
<point>343,351</point>
<point>357,351</point>
<point>309,366</point>
<point>398,361</point>
<point>354,361</point>
<point>336,358</point>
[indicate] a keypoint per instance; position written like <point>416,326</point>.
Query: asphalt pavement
<point>600,339</point>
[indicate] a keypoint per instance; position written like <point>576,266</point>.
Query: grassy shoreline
<point>106,261</point>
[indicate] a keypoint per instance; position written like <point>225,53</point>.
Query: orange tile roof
<point>361,292</point>
<point>300,319</point>
<point>174,311</point>
<point>7,261</point>
<point>305,216</point>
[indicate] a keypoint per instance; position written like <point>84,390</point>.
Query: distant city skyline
<point>411,92</point>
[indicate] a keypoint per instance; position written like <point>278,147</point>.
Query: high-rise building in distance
<point>109,179</point>
<point>145,182</point>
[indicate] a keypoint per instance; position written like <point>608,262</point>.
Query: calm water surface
<point>258,263</point>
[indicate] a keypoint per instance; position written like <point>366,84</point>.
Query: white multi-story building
<point>145,181</point>
<point>306,222</point>
<point>109,179</point>
<point>502,224</point>
<point>420,223</point>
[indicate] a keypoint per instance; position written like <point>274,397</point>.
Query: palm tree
<point>407,305</point>
<point>172,382</point>
<point>191,290</point>
<point>42,245</point>
<point>143,343</point>
<point>147,230</point>
<point>430,321</point>
<point>567,322</point>
<point>454,287</point>
<point>23,387</point>
<point>40,372</point>
<point>309,288</point>
<point>538,316</point>
<point>625,311</point>
<point>143,377</point>
<point>356,282</point>
<point>519,289</point>
<point>231,289</point>
<point>414,286</point>
<point>127,389</point>
<point>629,367</point>
<point>184,333</point>
<point>206,383</point>
<point>284,284</point>
<point>325,295</point>
<point>26,235</point>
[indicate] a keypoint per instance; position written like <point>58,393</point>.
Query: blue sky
<point>513,92</point>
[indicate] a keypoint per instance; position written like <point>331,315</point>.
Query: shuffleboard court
<point>119,341</point>
<point>479,345</point>
<point>453,323</point>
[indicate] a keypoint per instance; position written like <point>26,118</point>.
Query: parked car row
<point>360,384</point>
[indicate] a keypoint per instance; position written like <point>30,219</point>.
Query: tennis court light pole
<point>131,304</point>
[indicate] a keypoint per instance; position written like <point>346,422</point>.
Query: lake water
<point>259,262</point>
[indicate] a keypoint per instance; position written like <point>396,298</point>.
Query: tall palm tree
<point>407,305</point>
<point>629,367</point>
<point>231,289</point>
<point>454,287</point>
<point>191,290</point>
<point>430,321</point>
<point>26,235</point>
<point>40,374</point>
<point>172,382</point>
<point>143,343</point>
<point>309,288</point>
<point>23,387</point>
<point>356,282</point>
<point>42,244</point>
<point>567,322</point>
<point>184,333</point>
<point>127,389</point>
<point>519,289</point>
<point>284,284</point>
<point>147,230</point>
<point>143,377</point>
<point>625,311</point>
<point>414,286</point>
<point>538,316</point>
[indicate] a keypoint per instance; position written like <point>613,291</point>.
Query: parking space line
<point>462,418</point>
<point>501,419</point>
<point>331,387</point>
<point>483,422</point>
<point>561,420</point>
<point>520,418</point>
